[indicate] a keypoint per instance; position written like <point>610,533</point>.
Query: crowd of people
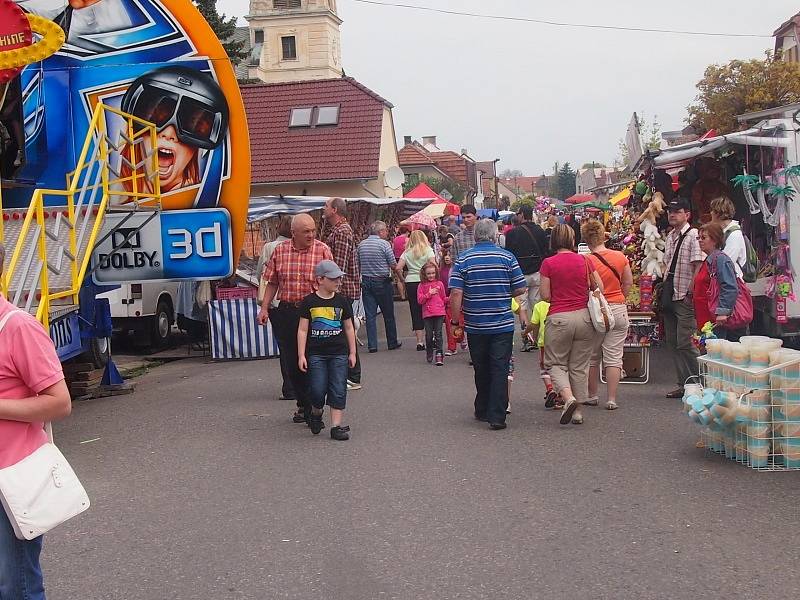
<point>458,278</point>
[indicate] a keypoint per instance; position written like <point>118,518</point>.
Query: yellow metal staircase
<point>49,244</point>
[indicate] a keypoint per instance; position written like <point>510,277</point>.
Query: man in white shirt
<point>722,212</point>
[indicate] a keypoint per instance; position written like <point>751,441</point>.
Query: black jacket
<point>528,242</point>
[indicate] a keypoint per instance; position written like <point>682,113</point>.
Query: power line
<point>560,23</point>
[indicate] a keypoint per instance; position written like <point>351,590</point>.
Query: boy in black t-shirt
<point>326,346</point>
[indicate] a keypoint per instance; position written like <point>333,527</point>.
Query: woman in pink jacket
<point>432,298</point>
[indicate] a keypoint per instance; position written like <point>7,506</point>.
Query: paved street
<point>203,488</point>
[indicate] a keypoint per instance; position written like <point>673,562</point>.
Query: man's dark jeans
<point>377,291</point>
<point>285,320</point>
<point>490,357</point>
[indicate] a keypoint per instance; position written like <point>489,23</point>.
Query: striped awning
<point>264,207</point>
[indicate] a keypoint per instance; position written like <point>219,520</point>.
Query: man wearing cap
<point>682,260</point>
<point>290,270</point>
<point>342,243</point>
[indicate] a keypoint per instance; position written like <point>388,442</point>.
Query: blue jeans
<point>20,572</point>
<point>490,356</point>
<point>327,377</point>
<point>377,291</point>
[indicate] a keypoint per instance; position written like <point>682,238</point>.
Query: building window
<point>289,47</point>
<point>316,116</point>
<point>258,36</point>
<point>327,115</point>
<point>284,4</point>
<point>301,117</point>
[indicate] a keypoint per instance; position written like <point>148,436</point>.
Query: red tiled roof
<point>349,150</point>
<point>413,155</point>
<point>523,184</point>
<point>454,165</point>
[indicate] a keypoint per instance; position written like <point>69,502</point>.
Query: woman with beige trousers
<point>570,337</point>
<point>615,272</point>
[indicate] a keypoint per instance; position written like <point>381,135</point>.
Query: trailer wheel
<point>99,352</point>
<point>161,325</point>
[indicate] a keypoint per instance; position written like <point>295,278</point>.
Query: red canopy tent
<point>580,199</point>
<point>423,190</point>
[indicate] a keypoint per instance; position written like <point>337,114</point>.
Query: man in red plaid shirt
<point>291,270</point>
<point>342,243</point>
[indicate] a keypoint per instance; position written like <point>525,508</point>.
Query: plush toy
<point>653,248</point>
<point>655,208</point>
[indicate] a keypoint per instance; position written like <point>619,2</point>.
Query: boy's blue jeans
<point>20,572</point>
<point>327,377</point>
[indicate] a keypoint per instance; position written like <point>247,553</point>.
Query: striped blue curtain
<point>235,332</point>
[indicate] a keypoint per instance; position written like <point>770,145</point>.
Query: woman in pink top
<point>32,392</point>
<point>432,298</point>
<point>570,336</point>
<point>399,242</point>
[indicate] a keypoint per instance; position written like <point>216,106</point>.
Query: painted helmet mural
<point>187,99</point>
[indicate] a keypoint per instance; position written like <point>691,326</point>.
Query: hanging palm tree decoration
<point>748,183</point>
<point>757,202</point>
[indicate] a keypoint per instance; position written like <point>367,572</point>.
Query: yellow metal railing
<point>134,182</point>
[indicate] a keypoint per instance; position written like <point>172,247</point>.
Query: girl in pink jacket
<point>432,298</point>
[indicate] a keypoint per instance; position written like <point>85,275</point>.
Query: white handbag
<point>599,310</point>
<point>41,491</point>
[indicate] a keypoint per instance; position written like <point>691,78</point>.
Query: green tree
<point>566,181</point>
<point>594,165</point>
<point>458,190</point>
<point>743,86</point>
<point>223,27</point>
<point>523,201</point>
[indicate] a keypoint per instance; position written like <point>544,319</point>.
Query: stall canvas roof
<point>265,207</point>
<point>580,198</point>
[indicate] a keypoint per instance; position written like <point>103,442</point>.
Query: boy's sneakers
<point>340,433</point>
<point>451,352</point>
<point>353,385</point>
<point>550,399</point>
<point>439,359</point>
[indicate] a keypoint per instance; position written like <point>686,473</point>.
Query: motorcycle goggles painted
<point>196,120</point>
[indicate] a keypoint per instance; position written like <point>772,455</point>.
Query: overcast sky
<point>533,94</point>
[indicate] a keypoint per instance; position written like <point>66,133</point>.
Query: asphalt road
<point>203,488</point>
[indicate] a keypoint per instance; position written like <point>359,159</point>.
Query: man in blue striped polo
<point>482,282</point>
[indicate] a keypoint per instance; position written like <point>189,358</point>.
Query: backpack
<point>750,267</point>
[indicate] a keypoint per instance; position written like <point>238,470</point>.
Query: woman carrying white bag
<point>32,393</point>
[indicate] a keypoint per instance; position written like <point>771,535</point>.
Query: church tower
<point>294,40</point>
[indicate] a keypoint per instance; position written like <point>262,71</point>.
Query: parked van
<point>146,309</point>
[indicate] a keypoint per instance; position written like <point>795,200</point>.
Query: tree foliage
<point>594,165</point>
<point>743,86</point>
<point>458,190</point>
<point>223,27</point>
<point>528,200</point>
<point>566,181</point>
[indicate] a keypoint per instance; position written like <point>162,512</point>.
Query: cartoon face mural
<point>157,59</point>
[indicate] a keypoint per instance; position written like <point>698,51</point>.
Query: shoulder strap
<point>677,253</point>
<point>589,281</point>
<point>5,319</point>
<point>605,262</point>
<point>533,239</point>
